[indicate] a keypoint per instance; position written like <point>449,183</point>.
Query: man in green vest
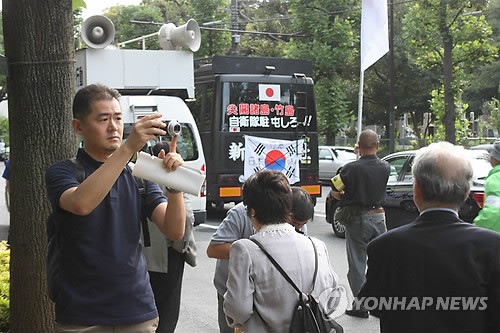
<point>489,216</point>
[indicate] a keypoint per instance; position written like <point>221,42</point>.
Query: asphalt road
<point>199,301</point>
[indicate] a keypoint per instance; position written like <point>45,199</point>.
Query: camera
<point>174,128</point>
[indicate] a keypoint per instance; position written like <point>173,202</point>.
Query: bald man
<point>365,181</point>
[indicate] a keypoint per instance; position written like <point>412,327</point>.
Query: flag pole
<point>360,101</point>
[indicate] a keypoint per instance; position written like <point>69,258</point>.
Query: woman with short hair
<point>258,298</point>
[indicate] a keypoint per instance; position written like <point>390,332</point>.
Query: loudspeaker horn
<point>175,38</point>
<point>97,31</point>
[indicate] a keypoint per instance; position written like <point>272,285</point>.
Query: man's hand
<point>337,195</point>
<point>172,160</point>
<point>145,129</point>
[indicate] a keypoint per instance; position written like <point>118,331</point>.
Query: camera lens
<point>174,128</point>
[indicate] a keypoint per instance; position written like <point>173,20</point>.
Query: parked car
<point>399,206</point>
<point>332,159</point>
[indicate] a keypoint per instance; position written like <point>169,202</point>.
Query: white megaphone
<point>97,31</point>
<point>175,38</point>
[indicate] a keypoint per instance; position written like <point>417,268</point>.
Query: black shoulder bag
<point>308,316</point>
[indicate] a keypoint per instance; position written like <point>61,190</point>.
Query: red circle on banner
<point>269,92</point>
<point>275,160</point>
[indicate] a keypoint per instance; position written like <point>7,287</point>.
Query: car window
<point>345,155</point>
<point>481,168</point>
<point>325,154</point>
<point>408,174</point>
<point>397,163</point>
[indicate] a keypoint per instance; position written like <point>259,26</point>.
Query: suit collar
<point>438,216</point>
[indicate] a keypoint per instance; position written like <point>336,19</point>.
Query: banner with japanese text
<point>272,154</point>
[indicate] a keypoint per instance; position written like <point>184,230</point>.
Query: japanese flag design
<point>269,92</point>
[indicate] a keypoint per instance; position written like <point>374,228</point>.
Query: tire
<point>338,228</point>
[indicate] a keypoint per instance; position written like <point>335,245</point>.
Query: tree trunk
<point>449,100</point>
<point>38,39</point>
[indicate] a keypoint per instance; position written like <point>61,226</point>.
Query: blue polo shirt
<point>104,280</point>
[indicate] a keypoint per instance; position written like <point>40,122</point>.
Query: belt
<point>379,210</point>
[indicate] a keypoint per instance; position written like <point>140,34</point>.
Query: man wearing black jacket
<point>438,273</point>
<point>365,182</point>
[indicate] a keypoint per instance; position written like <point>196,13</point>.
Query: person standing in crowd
<point>258,299</point>
<point>104,283</point>
<point>489,215</point>
<point>437,257</point>
<point>361,200</point>
<point>236,226</point>
<point>165,260</point>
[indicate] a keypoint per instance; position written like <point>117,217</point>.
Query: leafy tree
<point>329,44</point>
<point>172,11</point>
<point>213,42</point>
<point>3,78</point>
<point>38,38</point>
<point>442,38</point>
<point>492,110</point>
<point>121,16</point>
<point>4,130</point>
<point>260,17</point>
<point>484,83</point>
<point>410,86</point>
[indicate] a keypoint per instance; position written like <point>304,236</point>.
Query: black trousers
<point>167,291</point>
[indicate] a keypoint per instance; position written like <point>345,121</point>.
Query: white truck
<point>149,81</point>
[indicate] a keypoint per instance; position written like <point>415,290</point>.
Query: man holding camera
<point>103,278</point>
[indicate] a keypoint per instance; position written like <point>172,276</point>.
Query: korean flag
<point>269,92</point>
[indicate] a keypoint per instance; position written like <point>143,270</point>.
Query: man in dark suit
<point>437,274</point>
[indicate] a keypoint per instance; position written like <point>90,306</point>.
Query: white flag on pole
<point>374,32</point>
<point>273,154</point>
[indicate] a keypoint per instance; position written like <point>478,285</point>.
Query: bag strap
<point>282,271</point>
<point>144,219</point>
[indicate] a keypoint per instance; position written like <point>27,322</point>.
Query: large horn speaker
<point>97,31</point>
<point>174,38</point>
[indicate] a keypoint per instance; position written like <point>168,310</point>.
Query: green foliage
<point>492,110</point>
<point>4,286</point>
<point>425,24</point>
<point>212,42</point>
<point>445,37</point>
<point>78,4</point>
<point>265,16</point>
<point>461,122</point>
<point>125,30</point>
<point>172,11</point>
<point>4,129</point>
<point>329,44</point>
